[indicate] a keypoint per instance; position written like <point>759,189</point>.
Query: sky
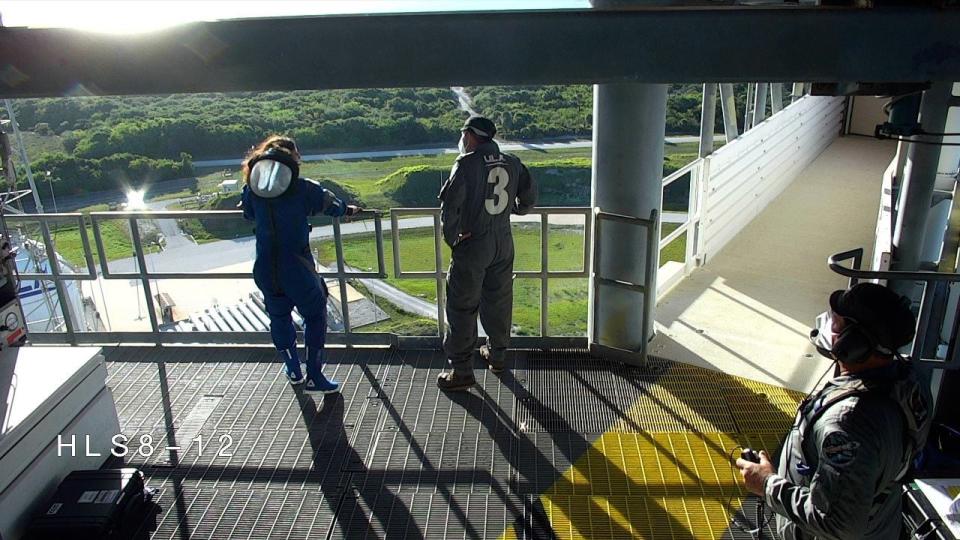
<point>133,16</point>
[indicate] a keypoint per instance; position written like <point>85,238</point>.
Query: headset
<point>855,343</point>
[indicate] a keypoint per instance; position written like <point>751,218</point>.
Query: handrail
<point>145,275</point>
<point>677,174</point>
<point>647,288</point>
<point>935,286</point>
<point>834,260</point>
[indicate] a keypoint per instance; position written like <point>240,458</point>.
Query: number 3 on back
<point>498,203</point>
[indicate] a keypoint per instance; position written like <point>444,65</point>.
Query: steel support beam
<point>728,106</point>
<point>776,97</point>
<point>628,130</point>
<point>708,113</point>
<point>919,179</point>
<point>759,104</point>
<point>797,92</point>
<point>748,108</point>
<point>598,46</point>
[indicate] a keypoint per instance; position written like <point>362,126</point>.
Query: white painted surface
<point>748,312</point>
<point>745,175</point>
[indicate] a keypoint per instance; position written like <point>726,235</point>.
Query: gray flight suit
<point>842,462</point>
<point>485,186</point>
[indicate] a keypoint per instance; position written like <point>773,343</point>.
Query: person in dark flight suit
<point>279,202</point>
<point>485,187</point>
<point>853,440</point>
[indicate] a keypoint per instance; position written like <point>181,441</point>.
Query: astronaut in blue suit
<point>279,202</point>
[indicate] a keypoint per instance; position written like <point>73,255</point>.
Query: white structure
<point>41,305</point>
<point>229,186</point>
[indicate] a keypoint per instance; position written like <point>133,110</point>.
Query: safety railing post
<point>144,277</point>
<point>54,262</point>
<point>341,277</point>
<point>544,275</point>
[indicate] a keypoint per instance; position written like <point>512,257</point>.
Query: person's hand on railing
<point>352,210</point>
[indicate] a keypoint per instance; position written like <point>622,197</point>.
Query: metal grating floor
<point>560,446</point>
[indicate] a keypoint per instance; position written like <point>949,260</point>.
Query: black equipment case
<point>101,504</point>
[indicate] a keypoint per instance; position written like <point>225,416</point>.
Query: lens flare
<point>135,200</point>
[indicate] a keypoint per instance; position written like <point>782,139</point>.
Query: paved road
<point>168,227</point>
<point>71,203</point>
<point>406,302</point>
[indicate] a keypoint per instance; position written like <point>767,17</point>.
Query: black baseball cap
<point>481,126</point>
<point>883,313</point>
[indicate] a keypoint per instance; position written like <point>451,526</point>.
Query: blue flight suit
<point>284,269</point>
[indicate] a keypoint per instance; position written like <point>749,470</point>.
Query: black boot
<point>451,381</point>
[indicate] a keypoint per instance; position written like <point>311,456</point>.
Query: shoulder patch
<point>839,449</point>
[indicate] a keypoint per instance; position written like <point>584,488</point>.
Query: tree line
<point>114,141</point>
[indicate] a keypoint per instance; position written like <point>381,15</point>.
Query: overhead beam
<point>484,48</point>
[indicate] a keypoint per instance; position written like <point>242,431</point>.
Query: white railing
<point>743,177</point>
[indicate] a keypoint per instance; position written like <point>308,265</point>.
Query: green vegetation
<point>567,298</point>
<point>96,143</point>
<point>210,229</point>
<point>560,182</point>
<point>115,234</point>
<point>72,175</point>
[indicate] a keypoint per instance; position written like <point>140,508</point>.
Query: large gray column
<point>628,137</point>
<point>728,106</point>
<point>919,178</point>
<point>776,97</point>
<point>707,115</point>
<point>759,104</point>
<point>797,92</point>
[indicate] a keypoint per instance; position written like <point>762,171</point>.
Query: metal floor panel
<point>212,513</point>
<point>560,446</point>
<point>441,516</point>
<point>413,402</point>
<point>455,461</point>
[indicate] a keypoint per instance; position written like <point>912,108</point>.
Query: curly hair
<point>279,142</point>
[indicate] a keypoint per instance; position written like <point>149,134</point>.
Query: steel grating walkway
<point>561,446</point>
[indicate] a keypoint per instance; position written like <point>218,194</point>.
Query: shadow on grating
<point>386,514</point>
<point>254,394</point>
<point>413,402</point>
<point>441,461</point>
<point>201,511</point>
<point>571,391</point>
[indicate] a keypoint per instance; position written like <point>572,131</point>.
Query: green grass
<point>114,233</point>
<point>39,144</point>
<point>567,298</point>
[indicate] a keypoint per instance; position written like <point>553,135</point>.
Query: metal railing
<point>935,285</point>
<point>647,288</point>
<point>99,267</point>
<point>95,220</point>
